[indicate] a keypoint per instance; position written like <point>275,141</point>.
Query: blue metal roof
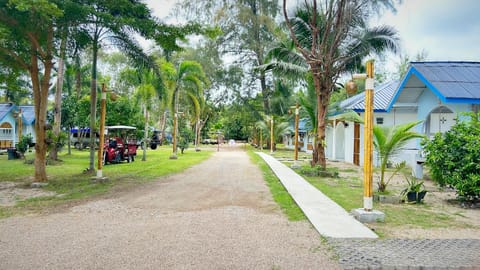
<point>452,82</point>
<point>304,125</point>
<point>5,109</point>
<point>382,98</point>
<point>28,114</point>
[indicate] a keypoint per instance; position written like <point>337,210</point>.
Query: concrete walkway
<point>328,218</point>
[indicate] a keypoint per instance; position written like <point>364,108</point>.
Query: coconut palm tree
<point>332,38</point>
<point>388,141</point>
<point>146,94</point>
<point>279,129</point>
<point>187,79</point>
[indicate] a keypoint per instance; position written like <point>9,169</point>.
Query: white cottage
<point>11,116</point>
<point>434,92</point>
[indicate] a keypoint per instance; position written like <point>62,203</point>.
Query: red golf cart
<point>120,144</point>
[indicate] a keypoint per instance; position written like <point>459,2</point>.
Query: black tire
<point>153,146</point>
<point>76,145</point>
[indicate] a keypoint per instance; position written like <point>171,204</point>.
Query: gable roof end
<point>452,82</point>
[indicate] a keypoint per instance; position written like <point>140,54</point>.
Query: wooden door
<point>356,144</point>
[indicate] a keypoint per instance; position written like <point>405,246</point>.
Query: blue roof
<point>304,125</point>
<point>382,98</point>
<point>28,114</point>
<point>5,109</point>
<point>452,82</point>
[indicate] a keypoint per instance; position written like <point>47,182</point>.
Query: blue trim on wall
<point>462,100</point>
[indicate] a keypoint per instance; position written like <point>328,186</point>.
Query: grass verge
<point>279,193</point>
<point>68,180</point>
<point>347,191</point>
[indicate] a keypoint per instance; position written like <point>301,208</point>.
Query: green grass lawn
<point>348,193</point>
<point>69,179</point>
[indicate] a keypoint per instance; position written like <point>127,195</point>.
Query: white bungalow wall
<point>395,117</point>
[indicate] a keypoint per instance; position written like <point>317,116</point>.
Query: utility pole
<point>297,119</point>
<point>367,214</point>
<point>103,111</point>
<point>368,140</point>
<point>271,135</point>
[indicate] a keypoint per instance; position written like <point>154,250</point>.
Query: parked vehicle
<point>80,138</point>
<point>120,144</point>
<point>154,140</point>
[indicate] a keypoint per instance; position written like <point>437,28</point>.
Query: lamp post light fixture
<point>368,143</point>
<point>367,214</point>
<point>103,111</point>
<point>297,120</point>
<point>174,137</point>
<point>261,140</point>
<point>218,140</point>
<point>271,135</point>
<point>20,124</point>
<point>367,135</point>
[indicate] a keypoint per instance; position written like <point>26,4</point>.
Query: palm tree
<point>187,78</point>
<point>279,129</point>
<point>101,26</point>
<point>333,38</point>
<point>388,141</point>
<point>146,94</point>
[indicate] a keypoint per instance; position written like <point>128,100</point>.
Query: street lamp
<point>271,135</point>
<point>367,214</point>
<point>103,111</point>
<point>218,140</point>
<point>297,120</point>
<point>368,140</point>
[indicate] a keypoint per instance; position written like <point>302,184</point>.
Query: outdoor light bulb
<point>351,87</point>
<point>113,96</point>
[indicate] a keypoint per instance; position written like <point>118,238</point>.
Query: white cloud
<point>445,29</point>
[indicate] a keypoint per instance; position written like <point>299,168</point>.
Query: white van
<point>80,138</point>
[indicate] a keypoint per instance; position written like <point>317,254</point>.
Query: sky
<point>447,30</point>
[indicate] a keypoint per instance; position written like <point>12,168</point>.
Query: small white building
<point>434,92</point>
<point>11,116</point>
<point>305,138</point>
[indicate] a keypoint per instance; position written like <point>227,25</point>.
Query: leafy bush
<point>24,143</point>
<point>454,158</point>
<point>58,141</point>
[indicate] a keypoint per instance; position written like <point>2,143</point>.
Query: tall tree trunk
<point>78,76</point>
<point>58,99</point>
<point>322,108</point>
<point>93,108</point>
<point>265,93</point>
<point>40,98</point>
<point>163,125</point>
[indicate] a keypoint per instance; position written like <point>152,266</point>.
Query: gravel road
<point>216,215</point>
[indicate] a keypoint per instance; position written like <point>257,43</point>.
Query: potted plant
<point>415,190</point>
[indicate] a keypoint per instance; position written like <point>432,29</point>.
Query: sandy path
<point>216,215</point>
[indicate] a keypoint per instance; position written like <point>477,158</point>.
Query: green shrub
<point>24,143</point>
<point>454,158</point>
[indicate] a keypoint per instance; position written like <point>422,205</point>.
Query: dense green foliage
<point>454,158</point>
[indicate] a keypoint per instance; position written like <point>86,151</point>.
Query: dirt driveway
<point>216,215</point>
